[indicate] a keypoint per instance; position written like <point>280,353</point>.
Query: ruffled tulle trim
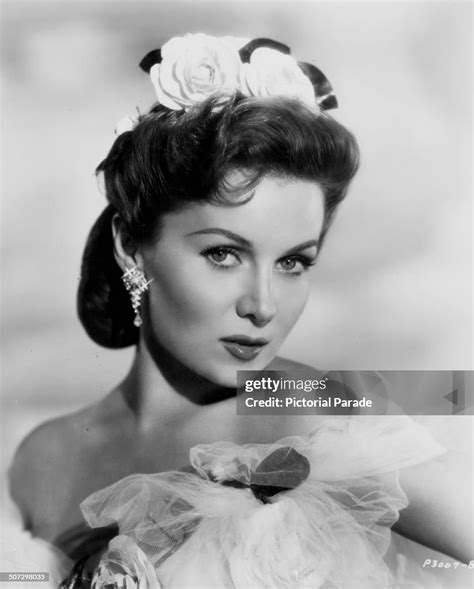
<point>306,511</point>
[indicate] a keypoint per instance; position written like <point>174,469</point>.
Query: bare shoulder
<point>45,456</point>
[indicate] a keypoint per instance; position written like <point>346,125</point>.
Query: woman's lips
<point>242,347</point>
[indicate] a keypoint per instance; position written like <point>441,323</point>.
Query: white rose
<point>272,73</point>
<point>193,68</point>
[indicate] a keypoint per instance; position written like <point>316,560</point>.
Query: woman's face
<point>229,283</point>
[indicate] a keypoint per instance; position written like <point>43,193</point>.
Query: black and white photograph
<point>236,287</point>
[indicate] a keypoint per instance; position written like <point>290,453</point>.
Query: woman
<point>219,201</point>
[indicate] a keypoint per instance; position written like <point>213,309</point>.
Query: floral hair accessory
<point>189,69</point>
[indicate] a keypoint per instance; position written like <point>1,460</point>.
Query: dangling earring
<point>136,284</point>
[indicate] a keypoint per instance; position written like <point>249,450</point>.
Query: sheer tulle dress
<point>306,511</point>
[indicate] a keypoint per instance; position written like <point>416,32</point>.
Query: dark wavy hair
<point>172,158</point>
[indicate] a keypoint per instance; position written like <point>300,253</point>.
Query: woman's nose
<point>257,302</point>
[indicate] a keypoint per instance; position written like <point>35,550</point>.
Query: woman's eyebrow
<point>246,243</point>
<point>226,233</point>
<point>303,246</point>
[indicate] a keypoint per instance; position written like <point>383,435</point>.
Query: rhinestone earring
<point>136,284</point>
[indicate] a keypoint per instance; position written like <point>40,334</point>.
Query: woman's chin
<point>226,374</point>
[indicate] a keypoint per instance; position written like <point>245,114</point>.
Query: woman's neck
<point>159,385</point>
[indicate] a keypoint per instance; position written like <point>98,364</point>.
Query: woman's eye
<point>222,257</point>
<point>294,264</point>
<point>288,264</point>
